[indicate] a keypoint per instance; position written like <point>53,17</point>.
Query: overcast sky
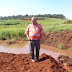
<point>16,7</point>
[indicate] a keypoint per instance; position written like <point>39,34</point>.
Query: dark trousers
<point>34,44</point>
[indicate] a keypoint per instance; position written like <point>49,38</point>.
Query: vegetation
<point>51,25</point>
<point>60,16</point>
<point>12,29</point>
<point>71,49</point>
<point>61,45</point>
<point>15,28</point>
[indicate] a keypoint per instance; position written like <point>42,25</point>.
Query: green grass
<point>55,25</point>
<point>12,29</point>
<point>15,28</point>
<point>70,49</point>
<point>61,46</point>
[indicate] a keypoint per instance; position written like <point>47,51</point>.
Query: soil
<point>66,61</point>
<point>26,19</point>
<point>10,62</point>
<point>53,39</point>
<point>13,43</point>
<point>22,63</point>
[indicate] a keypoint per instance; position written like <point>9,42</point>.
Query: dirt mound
<point>65,60</point>
<point>26,19</point>
<point>53,39</point>
<point>21,63</point>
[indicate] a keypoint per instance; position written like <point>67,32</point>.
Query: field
<point>58,39</point>
<point>15,28</point>
<point>12,29</point>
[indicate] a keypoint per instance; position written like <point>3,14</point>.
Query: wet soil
<point>25,50</point>
<point>10,53</point>
<point>55,60</point>
<point>65,52</point>
<point>13,43</point>
<point>22,63</point>
<point>53,39</point>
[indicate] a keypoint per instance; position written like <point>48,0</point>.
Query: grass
<point>61,46</point>
<point>15,28</point>
<point>12,29</point>
<point>14,33</point>
<point>51,25</point>
<point>70,49</point>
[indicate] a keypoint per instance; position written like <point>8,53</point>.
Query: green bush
<point>71,49</point>
<point>61,45</point>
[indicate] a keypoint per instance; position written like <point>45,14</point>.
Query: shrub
<point>71,49</point>
<point>61,45</point>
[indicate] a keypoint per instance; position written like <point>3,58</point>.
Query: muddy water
<point>18,47</point>
<point>66,52</point>
<point>26,50</point>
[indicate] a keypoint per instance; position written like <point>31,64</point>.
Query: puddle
<point>26,50</point>
<point>18,47</point>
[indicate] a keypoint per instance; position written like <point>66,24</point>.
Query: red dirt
<point>25,19</point>
<point>30,19</point>
<point>65,60</point>
<point>21,63</point>
<point>52,39</point>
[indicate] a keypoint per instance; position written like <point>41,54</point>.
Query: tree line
<point>60,16</point>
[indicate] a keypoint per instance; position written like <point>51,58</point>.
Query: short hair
<point>33,18</point>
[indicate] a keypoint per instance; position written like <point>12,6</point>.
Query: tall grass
<point>12,29</point>
<point>15,28</point>
<point>51,25</point>
<point>15,33</point>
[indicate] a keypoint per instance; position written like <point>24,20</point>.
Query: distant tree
<point>26,15</point>
<point>29,16</point>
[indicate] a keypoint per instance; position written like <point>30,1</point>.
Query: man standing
<point>34,32</point>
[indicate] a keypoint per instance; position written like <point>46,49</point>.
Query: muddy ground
<point>13,43</point>
<point>53,39</point>
<point>22,63</point>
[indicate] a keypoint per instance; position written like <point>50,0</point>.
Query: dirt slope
<point>53,39</point>
<point>21,63</point>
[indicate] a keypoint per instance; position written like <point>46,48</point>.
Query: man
<point>34,33</point>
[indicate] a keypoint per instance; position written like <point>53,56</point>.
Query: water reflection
<point>26,50</point>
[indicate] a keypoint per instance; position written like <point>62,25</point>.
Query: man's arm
<point>27,32</point>
<point>28,36</point>
<point>42,32</point>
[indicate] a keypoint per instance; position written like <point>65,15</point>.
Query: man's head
<point>34,20</point>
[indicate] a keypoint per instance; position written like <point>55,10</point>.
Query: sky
<point>34,7</point>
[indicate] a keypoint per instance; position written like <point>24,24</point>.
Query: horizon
<point>31,7</point>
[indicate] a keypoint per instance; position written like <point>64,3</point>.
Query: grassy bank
<point>15,28</point>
